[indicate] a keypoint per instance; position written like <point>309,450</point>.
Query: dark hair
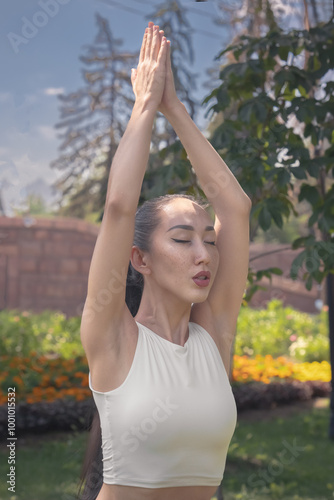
<point>146,221</point>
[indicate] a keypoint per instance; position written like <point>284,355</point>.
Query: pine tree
<point>94,119</point>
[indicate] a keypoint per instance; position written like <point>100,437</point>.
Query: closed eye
<point>188,241</point>
<point>180,241</point>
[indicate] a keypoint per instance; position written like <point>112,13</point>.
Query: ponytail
<point>147,220</point>
<point>92,469</point>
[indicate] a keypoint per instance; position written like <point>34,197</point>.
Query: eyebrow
<point>190,228</point>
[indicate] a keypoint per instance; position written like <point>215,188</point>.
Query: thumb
<point>133,75</point>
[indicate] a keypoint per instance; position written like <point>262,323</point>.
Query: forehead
<point>184,211</point>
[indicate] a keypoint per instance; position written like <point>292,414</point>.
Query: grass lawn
<point>279,454</point>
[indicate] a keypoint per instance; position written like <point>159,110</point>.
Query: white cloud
<point>16,174</point>
<point>54,90</point>
<point>47,132</point>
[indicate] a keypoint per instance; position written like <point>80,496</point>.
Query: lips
<point>202,278</point>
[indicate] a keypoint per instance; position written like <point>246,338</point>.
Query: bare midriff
<point>118,492</point>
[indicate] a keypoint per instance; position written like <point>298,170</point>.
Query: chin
<point>200,296</point>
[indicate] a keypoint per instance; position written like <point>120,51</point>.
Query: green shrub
<point>48,332</point>
<point>276,330</point>
<point>282,331</point>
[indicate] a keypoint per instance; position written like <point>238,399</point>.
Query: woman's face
<point>183,258</point>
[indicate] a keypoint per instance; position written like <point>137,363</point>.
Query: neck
<point>165,315</point>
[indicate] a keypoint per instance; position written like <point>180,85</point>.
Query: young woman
<point>158,332</point>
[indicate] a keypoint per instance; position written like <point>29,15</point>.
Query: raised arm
<point>232,208</point>
<point>105,306</point>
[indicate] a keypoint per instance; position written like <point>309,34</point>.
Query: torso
<point>121,368</point>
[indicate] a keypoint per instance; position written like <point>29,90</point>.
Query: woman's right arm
<point>105,307</point>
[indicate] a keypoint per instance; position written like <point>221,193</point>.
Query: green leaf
<point>296,264</point>
<point>303,241</point>
<point>312,167</point>
<point>309,282</point>
<point>310,194</point>
<point>260,111</point>
<point>312,262</point>
<point>283,176</point>
<point>314,217</point>
<point>298,172</point>
<point>275,270</point>
<point>283,52</point>
<point>223,97</point>
<point>308,130</point>
<point>264,218</point>
<point>245,111</point>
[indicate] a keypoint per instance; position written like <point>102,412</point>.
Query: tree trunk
<point>330,302</point>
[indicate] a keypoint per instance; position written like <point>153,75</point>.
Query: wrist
<point>144,106</point>
<point>173,111</point>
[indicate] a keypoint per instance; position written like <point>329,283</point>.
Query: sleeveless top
<point>171,421</point>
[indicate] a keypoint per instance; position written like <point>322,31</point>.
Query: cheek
<point>170,259</point>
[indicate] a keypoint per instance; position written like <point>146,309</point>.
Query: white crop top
<point>171,421</point>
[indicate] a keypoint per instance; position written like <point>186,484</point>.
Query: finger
<point>169,59</point>
<point>163,51</point>
<point>133,75</point>
<point>148,43</point>
<point>155,43</point>
<point>143,46</point>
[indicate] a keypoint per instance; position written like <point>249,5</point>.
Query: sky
<point>41,41</point>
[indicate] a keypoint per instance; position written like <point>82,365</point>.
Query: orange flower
<point>18,380</point>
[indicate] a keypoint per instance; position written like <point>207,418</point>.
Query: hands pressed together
<point>152,81</point>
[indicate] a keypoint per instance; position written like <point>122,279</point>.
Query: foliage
<point>276,330</point>
<point>48,333</point>
<point>282,331</point>
<point>276,136</point>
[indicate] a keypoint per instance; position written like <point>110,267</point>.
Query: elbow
<point>119,205</point>
<point>243,205</point>
<point>248,204</point>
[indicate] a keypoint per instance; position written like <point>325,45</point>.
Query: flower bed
<point>266,369</point>
<point>53,394</point>
<point>46,378</point>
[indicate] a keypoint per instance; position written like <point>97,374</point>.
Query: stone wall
<point>44,264</point>
<point>294,292</point>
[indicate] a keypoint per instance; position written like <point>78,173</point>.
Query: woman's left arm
<point>231,206</point>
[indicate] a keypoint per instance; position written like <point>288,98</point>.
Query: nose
<point>202,254</point>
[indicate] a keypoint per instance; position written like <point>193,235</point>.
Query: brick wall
<point>283,287</point>
<point>45,264</point>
